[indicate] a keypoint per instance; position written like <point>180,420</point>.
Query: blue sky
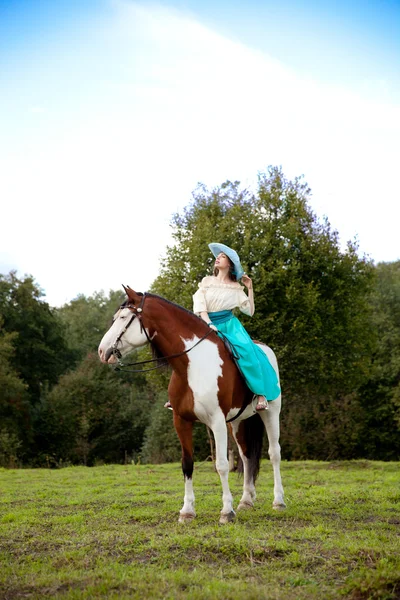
<point>113,110</point>
<point>337,41</point>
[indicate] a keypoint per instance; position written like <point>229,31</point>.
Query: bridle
<point>137,313</point>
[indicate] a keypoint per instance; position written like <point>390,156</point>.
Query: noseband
<point>137,312</point>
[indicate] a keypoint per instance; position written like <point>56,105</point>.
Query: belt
<point>220,316</point>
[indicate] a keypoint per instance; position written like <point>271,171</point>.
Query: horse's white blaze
<point>204,369</point>
<point>131,339</point>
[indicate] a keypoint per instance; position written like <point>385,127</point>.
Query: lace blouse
<point>213,296</point>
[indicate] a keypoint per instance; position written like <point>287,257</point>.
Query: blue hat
<point>218,248</point>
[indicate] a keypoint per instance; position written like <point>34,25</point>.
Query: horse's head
<point>127,331</point>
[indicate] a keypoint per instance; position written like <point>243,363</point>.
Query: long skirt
<point>252,362</point>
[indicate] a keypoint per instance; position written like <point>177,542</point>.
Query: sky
<point>112,111</point>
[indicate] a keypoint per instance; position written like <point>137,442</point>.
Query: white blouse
<point>213,296</point>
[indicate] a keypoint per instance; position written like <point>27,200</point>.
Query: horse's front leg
<point>184,430</point>
<point>222,465</point>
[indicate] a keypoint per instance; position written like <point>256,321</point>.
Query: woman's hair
<point>231,273</point>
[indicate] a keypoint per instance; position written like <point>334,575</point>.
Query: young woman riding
<point>214,301</point>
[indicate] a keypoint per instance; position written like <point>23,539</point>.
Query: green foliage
<point>161,443</point>
<point>91,415</point>
<point>11,385</point>
<point>325,426</point>
<point>9,447</point>
<point>14,404</point>
<point>41,353</point>
<point>381,392</point>
<point>87,318</point>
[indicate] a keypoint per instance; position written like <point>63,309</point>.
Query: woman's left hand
<point>247,281</point>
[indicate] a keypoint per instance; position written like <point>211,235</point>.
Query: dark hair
<point>231,273</point>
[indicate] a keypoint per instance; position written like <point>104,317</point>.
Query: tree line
<point>331,316</point>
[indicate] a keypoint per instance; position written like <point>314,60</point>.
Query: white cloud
<point>90,194</point>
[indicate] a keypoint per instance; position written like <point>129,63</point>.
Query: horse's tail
<point>253,429</point>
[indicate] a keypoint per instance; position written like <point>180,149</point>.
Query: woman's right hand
<point>206,318</point>
<point>247,281</point>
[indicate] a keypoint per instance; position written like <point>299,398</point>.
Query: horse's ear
<point>132,295</point>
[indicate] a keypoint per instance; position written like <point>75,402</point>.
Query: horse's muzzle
<point>110,355</point>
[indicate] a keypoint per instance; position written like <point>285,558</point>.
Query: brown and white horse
<point>206,386</point>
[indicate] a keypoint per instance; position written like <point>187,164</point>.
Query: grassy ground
<point>112,532</point>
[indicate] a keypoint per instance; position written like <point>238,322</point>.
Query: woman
<point>214,301</point>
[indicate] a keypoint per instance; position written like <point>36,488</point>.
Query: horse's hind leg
<point>270,419</point>
<point>249,490</point>
<point>184,430</point>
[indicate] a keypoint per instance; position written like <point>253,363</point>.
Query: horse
<point>205,386</point>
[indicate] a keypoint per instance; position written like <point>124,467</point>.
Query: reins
<point>122,366</point>
<point>163,358</point>
<point>137,312</point>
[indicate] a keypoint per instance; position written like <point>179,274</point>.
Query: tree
<point>14,405</point>
<point>87,318</point>
<point>41,353</point>
<point>311,296</point>
<point>380,394</point>
<point>161,443</point>
<point>92,414</point>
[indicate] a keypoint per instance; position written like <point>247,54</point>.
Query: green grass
<point>112,532</point>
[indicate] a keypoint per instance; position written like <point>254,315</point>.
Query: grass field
<point>112,532</point>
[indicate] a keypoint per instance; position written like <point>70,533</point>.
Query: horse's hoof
<point>186,517</point>
<point>279,506</point>
<point>227,517</point>
<point>245,506</point>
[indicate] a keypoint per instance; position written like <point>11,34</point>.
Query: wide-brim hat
<point>230,253</point>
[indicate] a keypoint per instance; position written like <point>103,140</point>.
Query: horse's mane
<point>186,310</point>
<point>155,352</point>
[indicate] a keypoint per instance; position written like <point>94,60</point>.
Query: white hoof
<point>245,506</point>
<point>279,506</point>
<point>227,517</point>
<point>186,517</point>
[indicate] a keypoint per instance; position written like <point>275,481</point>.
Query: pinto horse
<point>205,386</point>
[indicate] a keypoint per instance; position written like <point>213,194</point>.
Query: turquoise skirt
<point>252,362</point>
